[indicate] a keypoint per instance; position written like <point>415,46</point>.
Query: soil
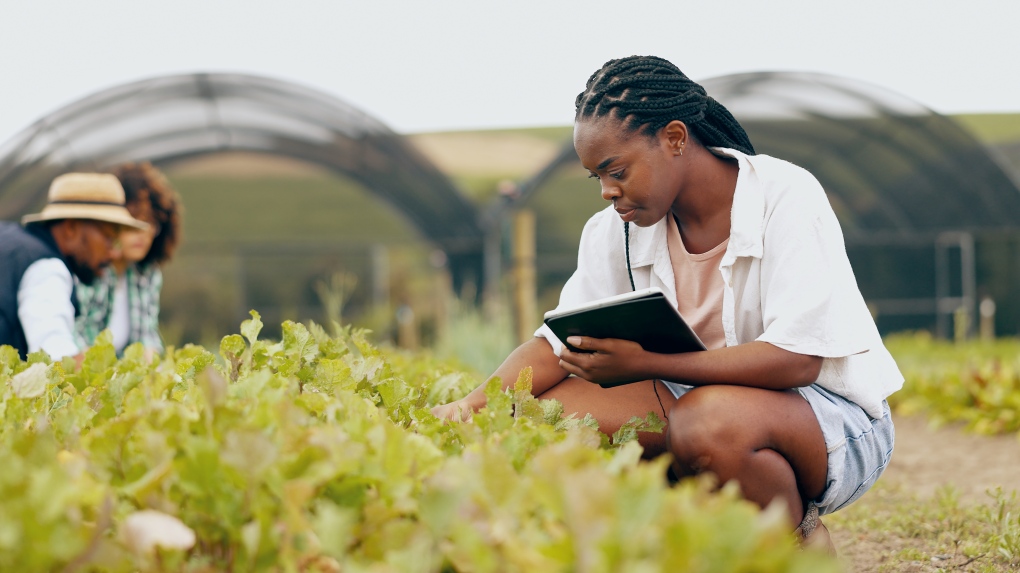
<point>926,459</point>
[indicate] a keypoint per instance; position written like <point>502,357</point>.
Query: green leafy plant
<point>976,382</point>
<point>319,453</point>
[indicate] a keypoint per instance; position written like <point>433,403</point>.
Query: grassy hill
<point>992,128</point>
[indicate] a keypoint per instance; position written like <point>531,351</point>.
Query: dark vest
<point>19,248</point>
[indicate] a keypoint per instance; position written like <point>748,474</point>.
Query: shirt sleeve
<point>45,308</point>
<point>597,255</point>
<point>809,298</point>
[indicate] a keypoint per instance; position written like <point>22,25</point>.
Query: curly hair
<point>648,92</point>
<point>148,195</point>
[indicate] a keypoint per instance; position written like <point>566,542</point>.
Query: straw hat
<point>96,196</point>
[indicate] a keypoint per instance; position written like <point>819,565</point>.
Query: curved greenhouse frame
<point>893,169</point>
<point>174,117</point>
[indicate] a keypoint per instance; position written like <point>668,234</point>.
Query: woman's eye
<point>617,175</point>
<point>592,176</point>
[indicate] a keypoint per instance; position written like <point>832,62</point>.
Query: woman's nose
<point>609,191</point>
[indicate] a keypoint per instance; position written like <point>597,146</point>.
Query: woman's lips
<point>627,214</point>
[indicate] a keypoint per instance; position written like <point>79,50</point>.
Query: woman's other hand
<point>458,410</point>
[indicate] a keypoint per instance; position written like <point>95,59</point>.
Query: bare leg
<point>768,441</point>
<point>613,407</point>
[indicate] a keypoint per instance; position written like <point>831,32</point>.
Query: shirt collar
<point>747,216</point>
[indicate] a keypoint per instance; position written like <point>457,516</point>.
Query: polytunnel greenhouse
<point>270,243</point>
<point>167,119</point>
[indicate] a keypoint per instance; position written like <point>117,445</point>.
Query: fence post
<point>525,292</point>
<point>987,311</point>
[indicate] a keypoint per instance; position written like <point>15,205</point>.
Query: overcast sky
<point>427,65</point>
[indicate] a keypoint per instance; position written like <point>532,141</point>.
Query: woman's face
<point>637,173</point>
<point>135,243</point>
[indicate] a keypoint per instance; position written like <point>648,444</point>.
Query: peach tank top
<point>699,286</point>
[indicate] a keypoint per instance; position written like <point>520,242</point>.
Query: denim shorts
<point>859,447</point>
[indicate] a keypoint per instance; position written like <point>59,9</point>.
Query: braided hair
<point>647,92</point>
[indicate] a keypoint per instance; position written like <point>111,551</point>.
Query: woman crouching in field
<point>789,398</point>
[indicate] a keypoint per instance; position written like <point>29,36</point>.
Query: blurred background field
<point>273,233</point>
<point>304,207</point>
<point>264,232</point>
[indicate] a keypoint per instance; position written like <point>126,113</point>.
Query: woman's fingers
<point>588,344</point>
<point>582,364</point>
<point>456,410</point>
<point>601,345</point>
<point>581,359</point>
<point>572,369</point>
<point>602,359</point>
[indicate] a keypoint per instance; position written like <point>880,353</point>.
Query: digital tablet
<point>643,316</point>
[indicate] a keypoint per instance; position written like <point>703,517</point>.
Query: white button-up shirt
<point>786,277</point>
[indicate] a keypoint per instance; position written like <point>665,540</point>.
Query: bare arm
<point>535,353</point>
<point>756,364</point>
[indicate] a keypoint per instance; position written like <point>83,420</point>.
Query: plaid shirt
<point>143,286</point>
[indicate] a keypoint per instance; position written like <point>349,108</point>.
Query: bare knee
<point>700,431</point>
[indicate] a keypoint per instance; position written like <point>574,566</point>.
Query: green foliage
<point>319,453</point>
<point>975,382</point>
<point>478,338</point>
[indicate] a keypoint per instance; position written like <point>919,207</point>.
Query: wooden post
<point>492,296</point>
<point>987,311</point>
<point>407,328</point>
<point>380,264</point>
<point>525,292</point>
<point>443,291</point>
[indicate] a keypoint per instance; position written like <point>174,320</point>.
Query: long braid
<point>647,92</point>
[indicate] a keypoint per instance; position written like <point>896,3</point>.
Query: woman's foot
<point>819,539</point>
<point>813,534</point>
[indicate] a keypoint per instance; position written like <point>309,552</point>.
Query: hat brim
<point>107,213</point>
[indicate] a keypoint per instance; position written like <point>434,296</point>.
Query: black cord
<point>630,274</point>
<point>655,387</point>
<point>626,242</point>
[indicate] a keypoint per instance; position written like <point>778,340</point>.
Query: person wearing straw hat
<point>74,234</point>
<point>124,298</point>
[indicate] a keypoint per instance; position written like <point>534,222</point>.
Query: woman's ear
<point>675,136</point>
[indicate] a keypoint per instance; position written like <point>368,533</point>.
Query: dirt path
<point>929,459</point>
<point>924,460</point>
